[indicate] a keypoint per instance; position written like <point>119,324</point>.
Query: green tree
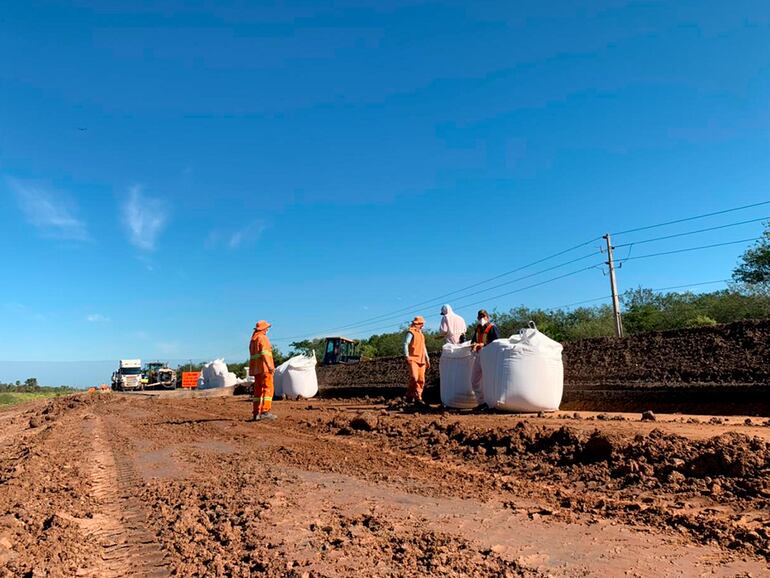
<point>307,347</point>
<point>701,321</point>
<point>753,270</point>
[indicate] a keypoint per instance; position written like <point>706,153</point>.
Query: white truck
<point>128,376</point>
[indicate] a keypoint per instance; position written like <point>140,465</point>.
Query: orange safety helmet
<point>419,320</point>
<point>262,325</point>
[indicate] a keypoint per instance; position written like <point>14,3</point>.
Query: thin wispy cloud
<point>96,318</point>
<point>144,218</point>
<point>53,214</point>
<point>237,238</point>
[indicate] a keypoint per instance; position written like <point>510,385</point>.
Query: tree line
<point>31,385</point>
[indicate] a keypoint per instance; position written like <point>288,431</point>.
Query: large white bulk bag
<point>456,370</point>
<point>216,374</point>
<point>523,373</point>
<point>278,376</point>
<point>300,378</point>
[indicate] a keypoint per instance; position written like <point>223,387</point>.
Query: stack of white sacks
<point>216,374</point>
<point>521,374</point>
<point>296,377</point>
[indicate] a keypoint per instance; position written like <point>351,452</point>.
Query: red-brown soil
<point>114,484</point>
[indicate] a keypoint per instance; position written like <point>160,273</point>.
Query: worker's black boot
<point>256,418</point>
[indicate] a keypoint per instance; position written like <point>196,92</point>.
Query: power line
<point>553,308</point>
<point>566,305</point>
<point>398,325</point>
<point>691,285</point>
<point>540,283</point>
<point>376,319</point>
<point>473,285</point>
<point>440,299</point>
<point>519,290</point>
<point>691,232</point>
<point>395,326</point>
<point>632,258</point>
<point>363,326</point>
<point>703,216</point>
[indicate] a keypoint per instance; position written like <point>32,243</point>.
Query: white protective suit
<point>452,325</point>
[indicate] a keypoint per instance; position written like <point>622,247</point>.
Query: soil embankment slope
<point>711,370</point>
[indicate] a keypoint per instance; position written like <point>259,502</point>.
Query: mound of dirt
<point>733,353</point>
<point>728,468</point>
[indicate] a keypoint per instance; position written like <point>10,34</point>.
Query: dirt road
<point>117,485</point>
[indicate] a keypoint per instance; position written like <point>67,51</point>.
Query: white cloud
<point>235,239</point>
<point>51,213</point>
<point>96,318</point>
<point>144,218</point>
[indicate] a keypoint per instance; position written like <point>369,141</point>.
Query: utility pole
<point>614,288</point>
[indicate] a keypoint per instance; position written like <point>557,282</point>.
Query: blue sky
<point>169,174</point>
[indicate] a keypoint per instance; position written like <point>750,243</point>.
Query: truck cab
<point>128,377</point>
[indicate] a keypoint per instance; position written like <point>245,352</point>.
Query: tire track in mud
<point>126,546</point>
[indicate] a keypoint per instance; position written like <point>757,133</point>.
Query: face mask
<point>483,322</point>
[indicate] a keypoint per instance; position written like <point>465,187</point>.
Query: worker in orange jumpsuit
<point>417,359</point>
<point>262,367</point>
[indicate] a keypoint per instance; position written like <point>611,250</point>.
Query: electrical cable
<point>473,285</point>
<point>691,285</point>
<point>566,305</point>
<point>439,300</point>
<point>687,249</point>
<point>520,289</point>
<point>384,316</point>
<point>395,326</point>
<point>540,283</point>
<point>703,216</point>
<point>690,232</point>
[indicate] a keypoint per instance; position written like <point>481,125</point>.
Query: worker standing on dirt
<point>262,367</point>
<point>485,333</point>
<point>417,359</point>
<point>452,327</point>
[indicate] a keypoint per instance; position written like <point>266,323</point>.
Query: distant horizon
<point>82,374</point>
